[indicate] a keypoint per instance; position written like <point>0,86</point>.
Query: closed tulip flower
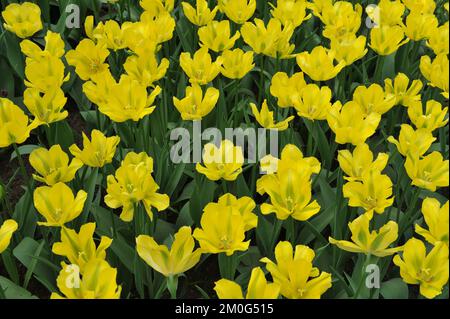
<point>52,166</point>
<point>238,11</point>
<point>45,74</point>
<point>385,40</point>
<point>195,105</point>
<point>436,218</point>
<point>405,92</point>
<point>170,262</point>
<point>438,40</point>
<point>7,229</point>
<point>436,72</point>
<point>357,164</point>
<point>14,124</point>
<point>22,19</point>
<point>200,15</point>
<point>349,123</point>
<point>236,63</point>
<point>373,192</point>
<point>412,141</point>
<point>217,36</point>
<point>420,26</point>
<point>98,281</point>
<point>433,118</point>
<point>290,12</point>
<point>364,241</point>
<point>429,271</point>
<point>387,13</point>
<point>314,102</point>
<point>222,231</point>
<point>429,172</point>
<point>340,18</point>
<point>200,69</point>
<point>320,65</point>
<point>223,162</point>
<point>57,204</point>
<point>79,248</point>
<point>420,6</point>
<point>258,288</point>
<point>295,274</point>
<point>265,118</point>
<point>98,151</point>
<point>349,49</point>
<point>287,89</point>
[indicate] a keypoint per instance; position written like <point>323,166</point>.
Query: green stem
<point>172,285</point>
<point>23,169</point>
<point>228,265</point>
<point>361,280</point>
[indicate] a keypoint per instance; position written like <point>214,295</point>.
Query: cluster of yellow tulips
<point>358,94</point>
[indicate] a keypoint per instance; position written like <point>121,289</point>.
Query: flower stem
<point>22,169</point>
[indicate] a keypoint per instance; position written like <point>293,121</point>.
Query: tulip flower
<point>290,12</point>
<point>429,172</point>
<point>420,26</point>
<point>287,89</point>
<point>22,19</point>
<point>385,40</point>
<point>412,141</point>
<point>236,64</point>
<point>433,118</point>
<point>258,288</point>
<point>195,105</point>
<point>368,242</point>
<point>88,59</point>
<point>436,218</point>
<point>429,271</point>
<point>200,69</point>
<point>57,204</point>
<point>319,65</point>
<point>265,118</point>
<point>313,102</point>
<point>46,108</point>
<point>200,15</point>
<point>405,92</point>
<point>217,37</point>
<point>98,151</point>
<point>436,72</point>
<point>7,229</point>
<point>438,40</point>
<point>146,69</point>
<point>238,11</point>
<point>373,99</point>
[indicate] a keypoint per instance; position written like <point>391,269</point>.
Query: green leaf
<point>24,150</point>
<point>394,289</point>
<point>14,54</point>
<point>13,291</point>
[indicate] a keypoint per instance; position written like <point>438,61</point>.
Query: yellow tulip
<point>429,172</point>
<point>258,288</point>
<point>97,282</point>
<point>430,271</point>
<point>295,274</point>
<point>14,124</point>
<point>238,11</point>
<point>200,69</point>
<point>54,46</point>
<point>200,15</point>
<point>222,231</point>
<point>271,40</point>
<point>45,74</point>
<point>420,26</point>
<point>349,49</point>
<point>436,218</point>
<point>46,108</point>
<point>319,64</point>
<point>223,162</point>
<point>133,184</point>
<point>436,72</point>
<point>438,40</point>
<point>373,99</point>
<point>100,89</point>
<point>420,6</point>
<point>340,19</point>
<point>170,262</point>
<point>22,19</point>
<point>195,105</point>
<point>236,64</point>
<point>404,93</point>
<point>430,120</point>
<point>57,204</point>
<point>79,248</point>
<point>146,69</point>
<point>113,35</point>
<point>149,5</point>
<point>290,12</point>
<point>368,242</point>
<point>52,166</point>
<point>412,141</point>
<point>373,192</point>
<point>287,89</point>
<point>359,163</point>
<point>98,151</point>
<point>7,229</point>
<point>243,205</point>
<point>349,123</point>
<point>385,40</point>
<point>314,102</point>
<point>216,36</point>
<point>265,118</point>
<point>88,59</point>
<point>387,13</point>
<point>129,100</point>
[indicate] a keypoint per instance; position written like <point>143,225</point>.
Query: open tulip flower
<point>229,149</point>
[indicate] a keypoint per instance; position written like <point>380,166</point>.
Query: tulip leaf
<point>13,291</point>
<point>394,289</point>
<point>24,150</point>
<point>14,54</point>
